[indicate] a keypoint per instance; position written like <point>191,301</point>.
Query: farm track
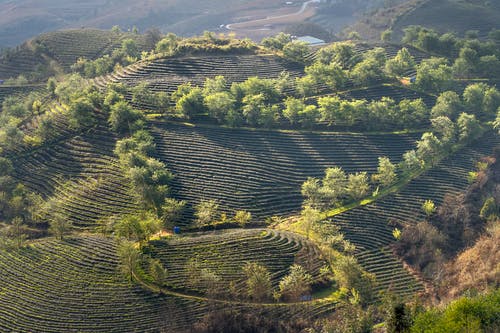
<point>73,285</point>
<point>367,227</point>
<point>226,252</point>
<point>262,171</point>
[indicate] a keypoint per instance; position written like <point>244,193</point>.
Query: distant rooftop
<point>313,41</point>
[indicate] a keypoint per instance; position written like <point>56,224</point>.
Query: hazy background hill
<point>23,19</point>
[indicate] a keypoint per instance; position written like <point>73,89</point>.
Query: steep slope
<point>370,227</point>
<point>45,55</point>
<point>262,171</point>
<point>451,15</point>
<point>74,285</point>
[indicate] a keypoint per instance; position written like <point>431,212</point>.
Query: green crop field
<point>148,197</point>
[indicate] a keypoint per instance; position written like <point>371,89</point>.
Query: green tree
<point>401,64</point>
<point>445,130</point>
<point>172,211</point>
<point>309,116</point>
<point>219,105</point>
<point>293,107</point>
<point>334,185</point>
<point>205,212</point>
<point>296,51</point>
<point>398,319</point>
<point>130,48</point>
<point>309,216</point>
<point>216,85</point>
<point>434,74</point>
<point>252,108</point>
<point>340,53</point>
<point>167,44</point>
<point>367,71</point>
<point>412,113</point>
<point>296,284</point>
<point>306,86</point>
<point>357,185</point>
<point>489,209</point>
<point>469,128</point>
<point>386,172</point>
<point>59,226</point>
<point>277,42</point>
<point>448,104</point>
<point>350,275</point>
<point>242,217</point>
<point>81,113</point>
<point>410,161</point>
<point>428,148</point>
<point>17,232</point>
<point>190,103</point>
<point>258,281</point>
<point>124,119</point>
<point>130,258</point>
<point>428,207</point>
<point>311,191</point>
<point>51,86</point>
<point>331,75</point>
<point>157,272</point>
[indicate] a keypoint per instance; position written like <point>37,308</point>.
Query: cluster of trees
<point>466,314</point>
<point>131,51</point>
<point>128,53</point>
<point>19,208</point>
<point>473,57</point>
<point>14,111</point>
<point>337,187</point>
<point>256,279</point>
<point>206,213</point>
<point>258,102</point>
<point>149,176</point>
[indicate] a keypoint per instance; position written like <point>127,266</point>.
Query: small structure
<point>311,41</point>
<point>1,82</point>
<point>177,230</point>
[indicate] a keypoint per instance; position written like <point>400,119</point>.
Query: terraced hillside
<point>370,227</point>
<point>82,175</point>
<point>262,171</point>
<point>6,91</point>
<point>165,74</point>
<point>67,46</point>
<point>451,15</point>
<point>227,251</point>
<point>62,47</point>
<point>73,285</point>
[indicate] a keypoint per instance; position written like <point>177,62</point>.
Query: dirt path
<point>270,19</point>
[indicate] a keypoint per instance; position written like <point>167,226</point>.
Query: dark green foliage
<point>477,314</point>
<point>124,119</point>
<point>434,75</point>
<point>149,176</point>
<point>82,113</point>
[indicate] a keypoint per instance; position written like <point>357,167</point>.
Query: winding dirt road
<point>270,19</point>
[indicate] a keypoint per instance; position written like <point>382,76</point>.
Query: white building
<point>311,41</point>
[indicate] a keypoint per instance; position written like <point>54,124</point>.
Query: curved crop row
<point>262,171</point>
<point>226,252</point>
<point>75,286</point>
<point>81,175</point>
<point>370,227</point>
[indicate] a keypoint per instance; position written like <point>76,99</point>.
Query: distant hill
<point>452,15</point>
<point>57,51</point>
<point>456,16</point>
